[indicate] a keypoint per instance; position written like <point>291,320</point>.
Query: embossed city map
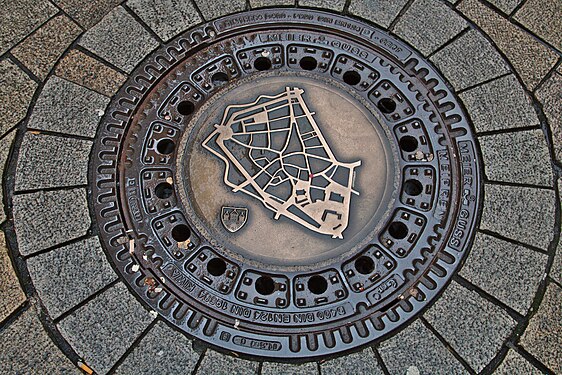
<point>274,151</point>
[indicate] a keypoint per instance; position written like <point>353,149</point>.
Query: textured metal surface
<point>355,289</point>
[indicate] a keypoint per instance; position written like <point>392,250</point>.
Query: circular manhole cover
<point>286,183</point>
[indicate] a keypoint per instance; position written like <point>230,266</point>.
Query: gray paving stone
<point>509,272</point>
<point>428,24</point>
<point>162,351</point>
<point>382,12</point>
<point>513,363</point>
<point>270,3</point>
<point>521,157</point>
<point>27,348</point>
<point>543,18</point>
<point>469,60</point>
<point>66,107</point>
<point>47,161</point>
<point>10,289</point>
<point>167,18</point>
<point>530,58</point>
<point>499,104</point>
<point>102,330</point>
<point>272,368</point>
<point>16,91</point>
<point>119,39</point>
<point>543,336</point>
<point>215,9</point>
<point>19,17</point>
<point>550,96</point>
<point>363,362</point>
<point>66,276</point>
<point>474,327</point>
<point>520,213</point>
<point>217,363</point>
<point>324,4</point>
<point>87,13</point>
<point>416,348</point>
<point>506,6</point>
<point>5,147</point>
<point>86,71</point>
<point>45,219</point>
<point>40,51</point>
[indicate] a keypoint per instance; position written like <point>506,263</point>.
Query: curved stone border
<point>492,312</point>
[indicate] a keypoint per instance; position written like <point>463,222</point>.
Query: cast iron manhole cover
<point>286,183</point>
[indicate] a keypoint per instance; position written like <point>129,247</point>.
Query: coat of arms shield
<point>234,218</point>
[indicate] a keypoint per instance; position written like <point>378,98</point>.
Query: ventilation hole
<point>166,146</point>
<point>308,63</point>
<point>364,265</point>
<point>181,233</point>
<point>164,190</point>
<point>216,266</point>
<point>265,285</point>
<point>262,63</point>
<point>317,284</point>
<point>398,230</point>
<point>408,143</point>
<point>386,105</point>
<point>186,108</point>
<point>219,78</point>
<point>351,77</point>
<point>413,187</point>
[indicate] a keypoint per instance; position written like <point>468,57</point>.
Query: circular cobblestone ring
<point>285,183</point>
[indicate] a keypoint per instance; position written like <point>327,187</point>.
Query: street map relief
<point>274,151</point>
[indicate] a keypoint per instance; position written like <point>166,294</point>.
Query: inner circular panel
<point>350,137</point>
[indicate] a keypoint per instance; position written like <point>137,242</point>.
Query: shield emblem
<point>234,218</point>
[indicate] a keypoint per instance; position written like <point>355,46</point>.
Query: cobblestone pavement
<point>63,307</point>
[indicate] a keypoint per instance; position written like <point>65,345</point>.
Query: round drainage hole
<point>398,230</point>
<point>408,143</point>
<point>308,63</point>
<point>265,285</point>
<point>262,63</point>
<point>164,190</point>
<point>181,233</point>
<point>386,105</point>
<point>166,146</point>
<point>186,108</point>
<point>219,78</point>
<point>317,284</point>
<point>351,77</point>
<point>216,266</point>
<point>364,265</point>
<point>413,187</point>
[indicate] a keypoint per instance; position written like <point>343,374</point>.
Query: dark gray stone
<point>103,329</point>
<point>520,157</point>
<point>41,50</point>
<point>162,351</point>
<point>428,24</point>
<point>19,18</point>
<point>506,6</point>
<point>272,368</point>
<point>167,18</point>
<point>16,91</point>
<point>520,213</point>
<point>87,13</point>
<point>550,96</point>
<point>10,289</point>
<point>119,39</point>
<point>529,57</point>
<point>469,60</point>
<point>5,147</point>
<point>363,362</point>
<point>543,18</point>
<point>270,3</point>
<point>509,272</point>
<point>417,350</point>
<point>66,107</point>
<point>215,9</point>
<point>217,363</point>
<point>47,161</point>
<point>323,4</point>
<point>556,270</point>
<point>45,219</point>
<point>543,336</point>
<point>382,12</point>
<point>499,104</point>
<point>513,363</point>
<point>28,349</point>
<point>86,71</point>
<point>474,327</point>
<point>66,276</point>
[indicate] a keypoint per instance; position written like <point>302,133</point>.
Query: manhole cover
<point>286,184</point>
